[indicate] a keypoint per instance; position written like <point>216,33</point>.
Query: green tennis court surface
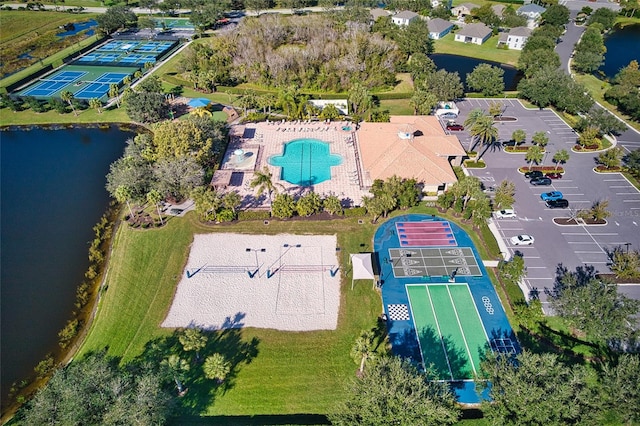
<point>450,332</point>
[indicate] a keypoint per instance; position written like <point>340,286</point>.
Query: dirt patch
<point>572,222</point>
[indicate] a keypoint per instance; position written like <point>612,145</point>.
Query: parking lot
<point>571,246</point>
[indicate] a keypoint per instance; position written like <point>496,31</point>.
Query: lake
<point>622,48</point>
<point>53,193</point>
<point>463,66</point>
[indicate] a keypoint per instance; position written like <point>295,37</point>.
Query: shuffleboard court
<point>417,262</point>
<point>425,234</point>
<point>451,336</point>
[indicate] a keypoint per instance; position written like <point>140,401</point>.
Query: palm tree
<point>176,367</point>
<point>114,91</point>
<point>216,367</point>
<point>67,96</point>
<point>127,80</point>
<point>484,130</point>
<point>123,195</point>
<point>534,154</point>
<point>540,138</point>
<point>360,99</point>
<point>288,101</point>
<point>363,349</point>
<point>560,157</point>
<point>154,196</point>
<point>201,112</point>
<point>192,339</point>
<point>96,103</point>
<point>473,116</point>
<point>480,210</point>
<point>263,181</point>
<point>231,200</point>
<point>518,136</point>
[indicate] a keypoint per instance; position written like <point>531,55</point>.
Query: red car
<point>554,175</point>
<point>455,127</point>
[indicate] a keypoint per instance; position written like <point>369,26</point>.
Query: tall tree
<point>67,96</point>
<point>123,195</point>
<point>176,368</point>
<point>561,157</point>
<point>175,178</point>
<point>505,194</point>
<point>534,155</point>
<point>263,182</point>
<point>154,196</point>
<point>392,391</point>
<point>114,92</point>
<point>486,79</point>
<point>216,367</point>
<point>193,340</point>
<point>484,131</point>
<point>593,305</point>
<point>423,102</point>
<point>115,18</point>
<point>518,136</point>
<point>96,104</point>
<point>359,99</point>
<point>146,107</point>
<point>540,139</point>
<point>363,349</point>
<point>445,85</point>
<point>620,383</point>
<point>535,389</point>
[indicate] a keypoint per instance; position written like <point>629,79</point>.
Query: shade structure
<point>362,267</point>
<point>199,102</point>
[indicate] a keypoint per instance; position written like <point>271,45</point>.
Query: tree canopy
<point>486,79</point>
<point>392,391</point>
<point>115,18</point>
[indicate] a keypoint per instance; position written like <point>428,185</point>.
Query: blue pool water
<point>306,162</point>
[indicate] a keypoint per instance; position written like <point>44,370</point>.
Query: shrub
<point>355,212</point>
<point>254,214</point>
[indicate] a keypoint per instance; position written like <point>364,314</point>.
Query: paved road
<point>570,245</point>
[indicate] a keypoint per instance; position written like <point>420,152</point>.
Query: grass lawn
<point>304,372</point>
<point>290,372</point>
<point>18,24</point>
<point>397,106</point>
<point>115,115</point>
<point>487,51</point>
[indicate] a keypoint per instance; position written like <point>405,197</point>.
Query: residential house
<point>515,38</point>
<point>532,12</point>
<point>405,17</point>
<point>438,28</point>
<point>473,33</point>
<point>463,10</point>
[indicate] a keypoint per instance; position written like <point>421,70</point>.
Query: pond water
<point>463,66</point>
<point>622,48</point>
<point>53,193</point>
<point>80,26</point>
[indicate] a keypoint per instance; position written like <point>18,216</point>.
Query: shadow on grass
<point>202,392</point>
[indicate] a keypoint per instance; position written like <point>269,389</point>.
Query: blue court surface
<point>126,53</point>
<point>54,83</point>
<point>100,86</point>
<point>441,322</point>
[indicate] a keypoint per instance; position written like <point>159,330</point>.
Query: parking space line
<point>591,262</point>
<point>581,242</point>
<point>619,186</point>
<point>536,267</point>
<point>614,180</point>
<point>583,251</point>
<point>541,278</point>
<point>631,201</point>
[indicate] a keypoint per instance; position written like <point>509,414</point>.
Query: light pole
<point>627,245</point>
<point>255,251</point>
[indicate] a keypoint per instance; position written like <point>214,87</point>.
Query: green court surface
<point>450,332</point>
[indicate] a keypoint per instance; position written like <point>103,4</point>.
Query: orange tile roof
<point>425,157</point>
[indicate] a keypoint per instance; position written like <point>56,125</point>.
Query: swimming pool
<point>305,162</point>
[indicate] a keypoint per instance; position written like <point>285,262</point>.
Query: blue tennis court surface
<point>445,316</point>
<point>54,83</point>
<point>100,87</point>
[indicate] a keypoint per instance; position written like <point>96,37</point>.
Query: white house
<point>532,12</point>
<point>438,28</point>
<point>515,38</point>
<point>403,18</point>
<point>473,33</point>
<point>463,9</point>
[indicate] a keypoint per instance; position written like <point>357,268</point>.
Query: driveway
<point>571,246</point>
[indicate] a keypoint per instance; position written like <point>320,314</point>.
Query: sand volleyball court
<point>284,282</point>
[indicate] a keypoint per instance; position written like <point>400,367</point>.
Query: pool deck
<point>262,140</point>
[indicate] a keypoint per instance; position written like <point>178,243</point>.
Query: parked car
<point>449,115</point>
<point>176,212</point>
<point>558,204</point>
<point>553,195</point>
<point>505,214</point>
<point>455,127</point>
<point>554,175</point>
<point>522,240</point>
<point>534,174</point>
<point>544,181</point>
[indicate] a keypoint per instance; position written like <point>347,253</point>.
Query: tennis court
<point>54,83</point>
<point>430,233</point>
<point>85,82</point>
